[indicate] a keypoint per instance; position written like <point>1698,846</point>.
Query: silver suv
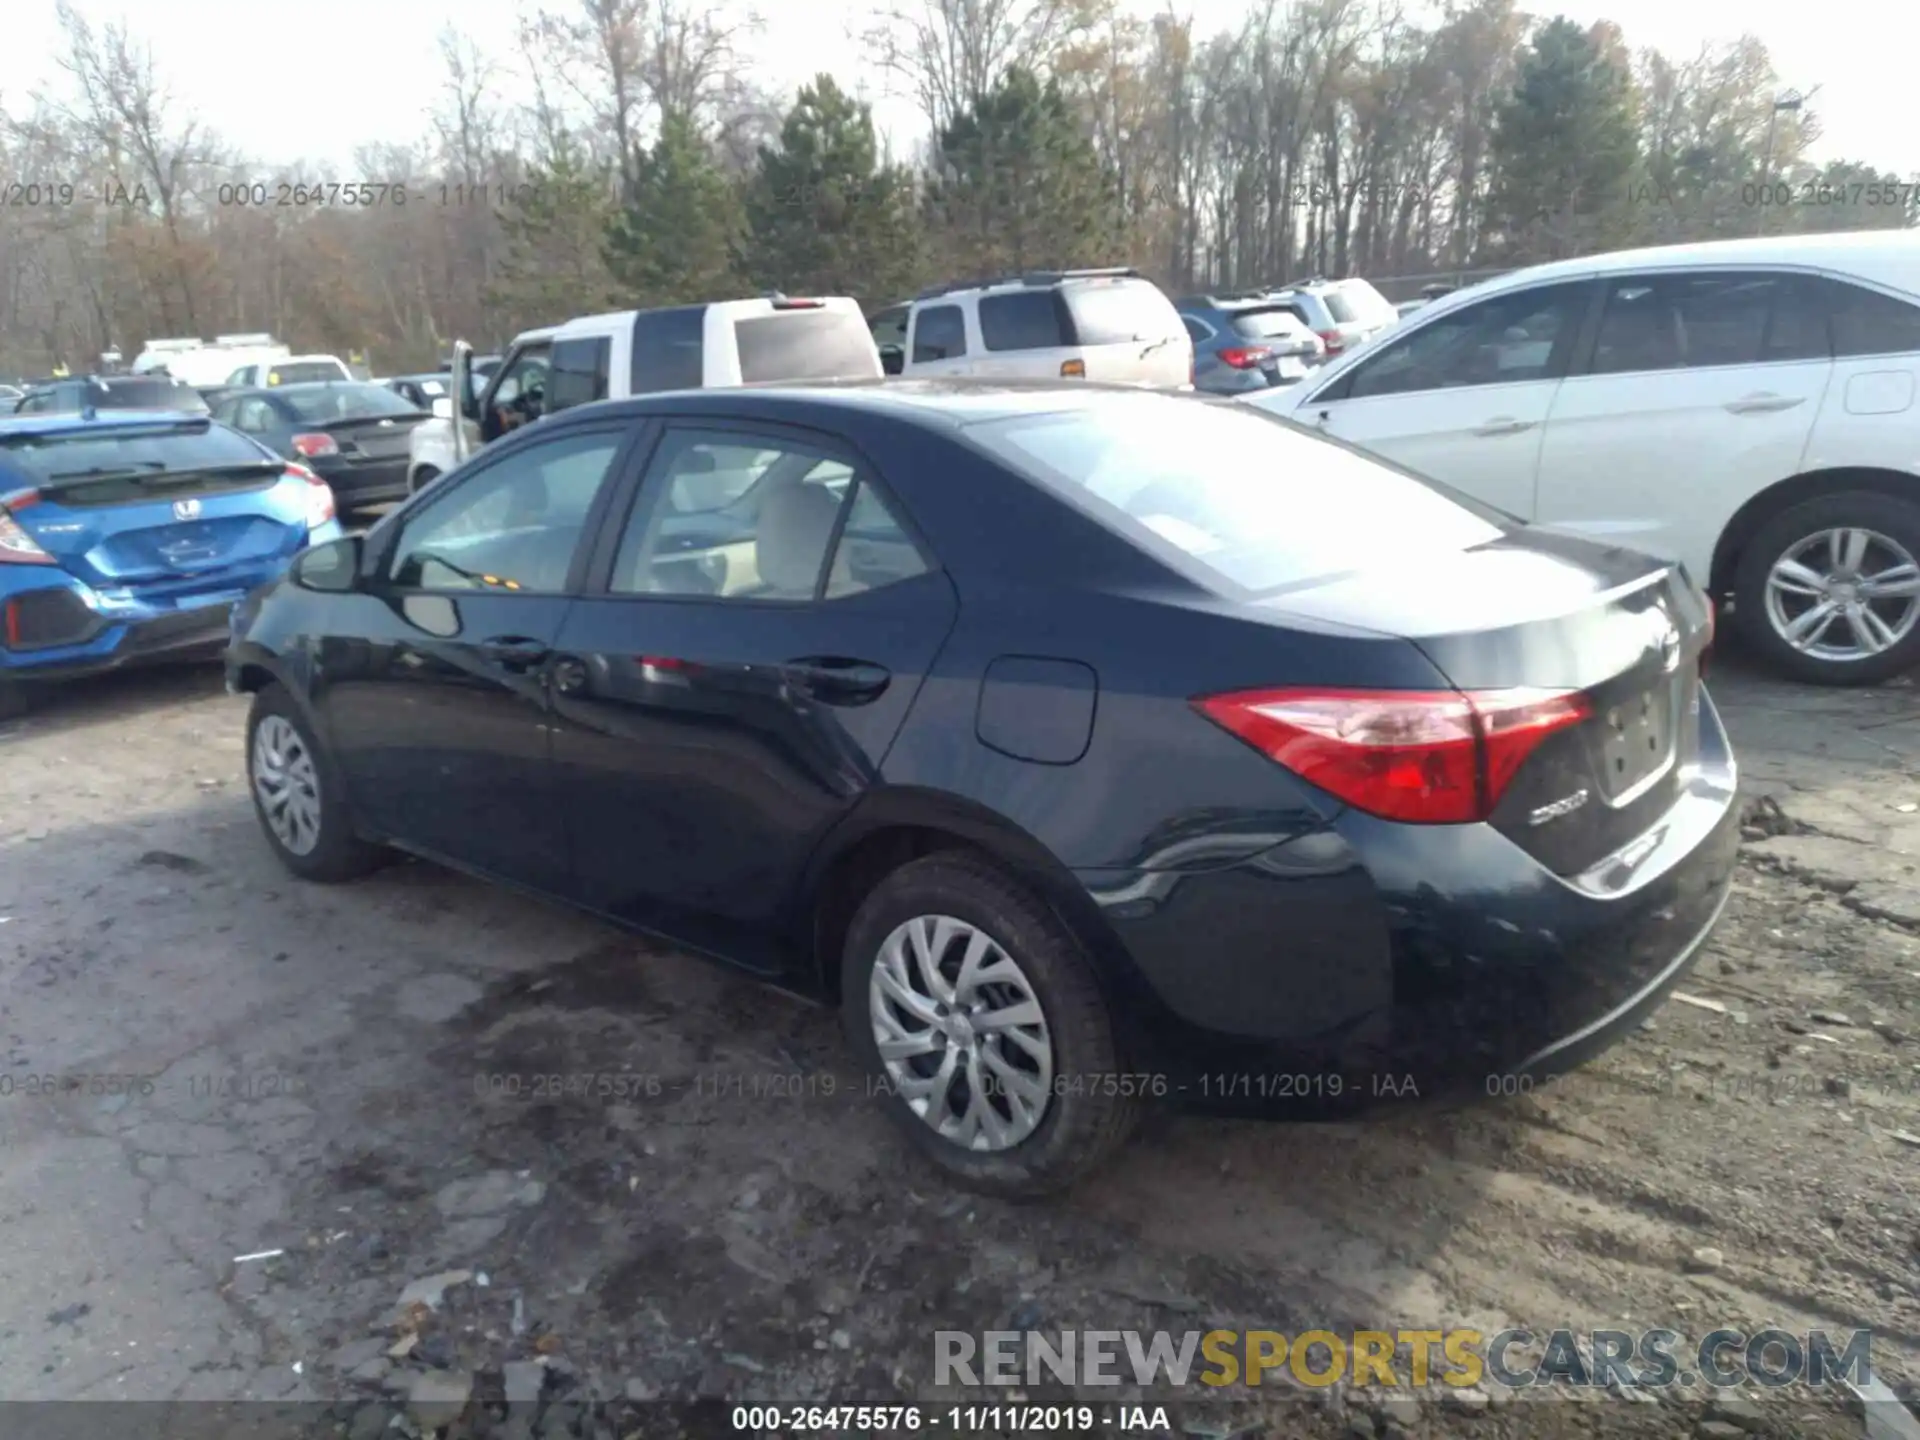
<point>1343,313</point>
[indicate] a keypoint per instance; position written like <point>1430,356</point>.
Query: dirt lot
<point>347,1077</point>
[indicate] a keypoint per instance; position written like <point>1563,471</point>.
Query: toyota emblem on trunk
<point>186,509</point>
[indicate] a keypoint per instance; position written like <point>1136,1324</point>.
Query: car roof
<point>952,404</point>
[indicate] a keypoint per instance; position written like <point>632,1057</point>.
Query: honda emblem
<point>186,509</point>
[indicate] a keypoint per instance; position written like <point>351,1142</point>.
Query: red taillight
<point>786,304</point>
<point>17,547</point>
<point>313,446</point>
<point>1331,339</point>
<point>320,506</point>
<point>1422,757</point>
<point>1245,359</point>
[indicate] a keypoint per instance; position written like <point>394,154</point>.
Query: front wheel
<point>1829,591</point>
<point>298,796</point>
<point>421,478</point>
<point>982,1028</point>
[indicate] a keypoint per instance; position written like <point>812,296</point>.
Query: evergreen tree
<point>1564,150</point>
<point>823,216</point>
<point>1017,184</point>
<point>674,241</point>
<point>553,267</point>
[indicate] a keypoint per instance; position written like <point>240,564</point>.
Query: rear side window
<point>1245,500</point>
<point>939,333</point>
<point>1119,312</point>
<point>580,372</point>
<point>147,395</point>
<point>1021,320</point>
<point>669,349</point>
<point>806,345</point>
<point>1867,323</point>
<point>1670,322</point>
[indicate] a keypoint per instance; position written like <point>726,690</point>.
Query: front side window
<point>580,372</point>
<point>1242,500</point>
<point>521,395</point>
<point>511,526</point>
<point>1021,320</point>
<point>939,333</point>
<point>725,515</point>
<point>1504,340</point>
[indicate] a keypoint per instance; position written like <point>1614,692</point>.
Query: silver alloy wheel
<point>961,1033</point>
<point>1858,581</point>
<point>286,784</point>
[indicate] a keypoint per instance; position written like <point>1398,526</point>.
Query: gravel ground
<point>348,1078</point>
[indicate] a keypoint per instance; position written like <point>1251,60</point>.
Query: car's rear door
<point>432,680</point>
<point>1701,390</point>
<point>732,679</point>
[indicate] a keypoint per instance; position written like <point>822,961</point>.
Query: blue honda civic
<point>126,537</point>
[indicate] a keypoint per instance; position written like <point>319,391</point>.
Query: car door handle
<point>1504,425</point>
<point>1765,403</point>
<point>518,653</point>
<point>837,681</point>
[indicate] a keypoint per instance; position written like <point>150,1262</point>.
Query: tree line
<point>622,153</point>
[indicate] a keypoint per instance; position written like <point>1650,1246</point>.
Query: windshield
<point>1119,312</point>
<point>301,372</point>
<point>322,403</point>
<point>1275,324</point>
<point>1249,501</point>
<point>161,452</point>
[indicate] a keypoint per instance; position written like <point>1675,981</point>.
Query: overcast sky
<point>310,82</point>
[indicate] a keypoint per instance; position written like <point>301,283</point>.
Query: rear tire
<point>298,796</point>
<point>1052,1121</point>
<point>1794,566</point>
<point>421,478</point>
<point>15,699</point>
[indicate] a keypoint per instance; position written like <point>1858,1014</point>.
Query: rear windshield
<point>1248,501</point>
<point>1119,312</point>
<point>152,455</point>
<point>806,345</point>
<point>345,402</point>
<point>1358,303</point>
<point>146,395</point>
<point>304,372</point>
<point>1270,324</point>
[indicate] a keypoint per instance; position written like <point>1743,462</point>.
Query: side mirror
<point>443,408</point>
<point>332,568</point>
<point>893,359</point>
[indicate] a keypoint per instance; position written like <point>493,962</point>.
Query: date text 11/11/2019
<point>825,1085</point>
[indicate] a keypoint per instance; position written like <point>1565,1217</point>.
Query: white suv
<point>1750,408</point>
<point>290,370</point>
<point>638,352</point>
<point>1345,314</point>
<point>1110,325</point>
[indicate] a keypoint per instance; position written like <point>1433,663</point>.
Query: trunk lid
<point>171,533</point>
<point>1553,613</point>
<point>371,437</point>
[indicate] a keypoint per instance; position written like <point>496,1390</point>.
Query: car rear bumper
<point>1371,963</point>
<point>371,483</point>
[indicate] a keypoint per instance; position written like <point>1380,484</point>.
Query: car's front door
<point>1464,397</point>
<point>727,689</point>
<point>1701,390</point>
<point>433,688</point>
